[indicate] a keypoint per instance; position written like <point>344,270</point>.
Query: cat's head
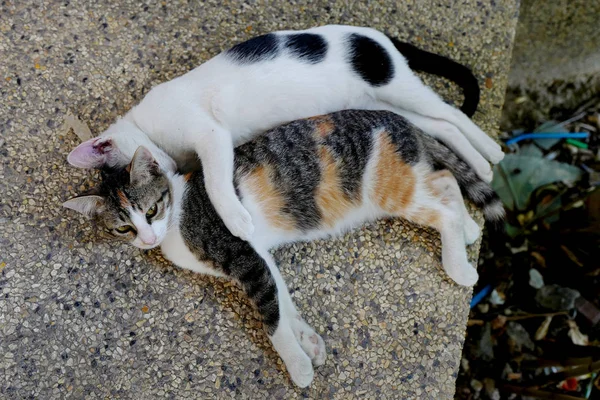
<point>134,203</point>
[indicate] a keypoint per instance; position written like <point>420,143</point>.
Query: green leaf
<point>519,175</point>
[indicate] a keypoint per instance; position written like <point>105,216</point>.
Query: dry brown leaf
<point>498,322</point>
<point>80,128</point>
<point>513,376</point>
<point>539,258</point>
<point>542,331</point>
<point>576,336</point>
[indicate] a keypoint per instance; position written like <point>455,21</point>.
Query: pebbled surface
<point>83,318</point>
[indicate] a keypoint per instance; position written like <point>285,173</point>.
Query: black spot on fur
<point>260,48</point>
<point>307,47</point>
<point>370,60</point>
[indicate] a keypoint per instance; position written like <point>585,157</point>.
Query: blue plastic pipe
<point>481,295</point>
<point>548,135</point>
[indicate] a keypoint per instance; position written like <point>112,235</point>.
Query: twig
<point>561,376</point>
<point>472,322</point>
<point>527,316</point>
<point>556,211</point>
<point>540,394</point>
<point>566,350</point>
<point>565,362</point>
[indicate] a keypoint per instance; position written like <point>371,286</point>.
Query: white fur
<point>221,104</point>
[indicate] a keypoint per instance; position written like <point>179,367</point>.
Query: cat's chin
<point>147,246</point>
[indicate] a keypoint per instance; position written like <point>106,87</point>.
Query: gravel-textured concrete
<point>81,317</point>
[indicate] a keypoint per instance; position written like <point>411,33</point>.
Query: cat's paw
<point>310,341</point>
<point>301,370</point>
<point>471,231</point>
<point>465,276</point>
<point>481,167</point>
<point>486,174</point>
<point>494,153</point>
<point>238,221</point>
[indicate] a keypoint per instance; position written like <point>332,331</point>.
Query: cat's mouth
<point>147,246</point>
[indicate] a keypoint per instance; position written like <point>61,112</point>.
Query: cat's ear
<point>93,153</point>
<point>143,167</point>
<point>88,205</point>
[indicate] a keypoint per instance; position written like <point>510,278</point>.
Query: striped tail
<point>476,190</point>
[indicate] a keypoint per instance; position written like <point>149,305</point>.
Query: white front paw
<point>486,175</point>
<point>239,222</point>
<point>496,154</point>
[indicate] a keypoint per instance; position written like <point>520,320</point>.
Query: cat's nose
<point>147,238</point>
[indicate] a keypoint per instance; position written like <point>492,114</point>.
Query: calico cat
<point>308,179</point>
<point>276,78</point>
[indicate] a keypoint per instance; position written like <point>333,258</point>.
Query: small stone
<point>497,298</point>
<point>536,280</point>
<point>519,337</point>
<point>145,309</point>
<point>484,348</point>
<point>476,385</point>
<point>556,298</point>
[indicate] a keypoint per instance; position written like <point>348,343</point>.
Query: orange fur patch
<point>429,217</point>
<point>323,125</point>
<point>123,199</point>
<point>331,199</point>
<point>188,176</point>
<point>395,180</point>
<point>269,198</point>
<point>433,189</point>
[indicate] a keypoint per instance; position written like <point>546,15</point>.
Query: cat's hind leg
<point>408,92</point>
<point>445,183</point>
<point>438,203</point>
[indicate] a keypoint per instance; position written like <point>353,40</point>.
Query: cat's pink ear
<point>93,153</point>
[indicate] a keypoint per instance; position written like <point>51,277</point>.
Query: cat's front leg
<point>310,341</point>
<point>215,149</point>
<point>258,281</point>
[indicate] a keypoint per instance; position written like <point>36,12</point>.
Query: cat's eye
<point>124,229</point>
<point>152,211</point>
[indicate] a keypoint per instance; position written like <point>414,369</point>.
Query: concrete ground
<point>81,317</point>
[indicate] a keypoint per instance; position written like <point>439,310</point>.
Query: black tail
<point>476,190</point>
<point>431,63</point>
